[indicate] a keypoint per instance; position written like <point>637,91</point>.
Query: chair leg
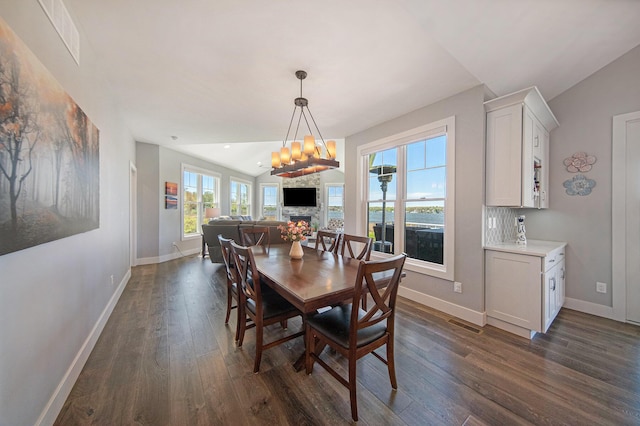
<point>391,364</point>
<point>352,388</point>
<point>283,324</point>
<point>259,330</point>
<point>239,319</point>
<point>242,324</point>
<point>229,300</point>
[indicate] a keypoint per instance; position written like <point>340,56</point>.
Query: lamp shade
<point>275,160</point>
<point>331,150</point>
<point>295,151</point>
<point>309,145</point>
<point>211,212</point>
<point>285,158</point>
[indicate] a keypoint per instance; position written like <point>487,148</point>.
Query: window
<point>408,187</point>
<point>334,201</point>
<point>270,203</point>
<point>240,198</point>
<point>200,189</point>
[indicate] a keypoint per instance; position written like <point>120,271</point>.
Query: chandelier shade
<point>306,157</point>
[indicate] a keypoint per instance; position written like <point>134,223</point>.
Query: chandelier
<point>303,158</point>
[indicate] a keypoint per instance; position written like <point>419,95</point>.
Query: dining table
<point>320,279</point>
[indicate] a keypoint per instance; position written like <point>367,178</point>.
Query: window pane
<point>335,202</point>
<point>426,183</point>
<point>437,151</point>
<point>199,193</point>
<point>424,230</point>
<point>416,155</point>
<point>190,218</point>
<point>382,175</point>
<point>382,235</point>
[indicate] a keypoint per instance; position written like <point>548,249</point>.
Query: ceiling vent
<point>61,20</point>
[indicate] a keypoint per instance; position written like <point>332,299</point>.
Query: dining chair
<point>232,282</point>
<point>263,308</point>
<point>328,241</point>
<point>356,246</point>
<point>255,236</point>
<point>355,332</point>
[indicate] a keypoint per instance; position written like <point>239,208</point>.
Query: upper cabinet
<point>517,150</point>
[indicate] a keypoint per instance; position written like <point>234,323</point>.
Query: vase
<point>296,251</point>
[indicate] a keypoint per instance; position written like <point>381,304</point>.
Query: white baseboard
<point>59,396</point>
<point>589,308</point>
<point>166,257</point>
<point>474,317</point>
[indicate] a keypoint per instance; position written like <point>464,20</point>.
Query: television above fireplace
<point>299,197</point>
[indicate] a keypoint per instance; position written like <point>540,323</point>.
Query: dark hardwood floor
<point>166,357</point>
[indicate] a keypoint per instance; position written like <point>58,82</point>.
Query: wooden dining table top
<point>317,280</point>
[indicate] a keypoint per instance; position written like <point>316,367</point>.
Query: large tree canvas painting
<point>49,154</point>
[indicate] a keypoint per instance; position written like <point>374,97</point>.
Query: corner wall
<point>56,297</point>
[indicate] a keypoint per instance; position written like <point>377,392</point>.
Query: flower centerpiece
<point>294,232</point>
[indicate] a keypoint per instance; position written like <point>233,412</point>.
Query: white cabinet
<point>517,150</point>
<point>524,286</point>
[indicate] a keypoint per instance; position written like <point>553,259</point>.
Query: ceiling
<point>221,72</point>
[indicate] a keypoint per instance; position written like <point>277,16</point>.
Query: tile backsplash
<point>505,229</point>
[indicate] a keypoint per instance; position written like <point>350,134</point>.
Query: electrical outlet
<point>601,287</point>
<point>457,287</point>
<point>111,279</point>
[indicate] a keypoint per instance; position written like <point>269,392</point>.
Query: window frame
<point>278,201</point>
<point>216,197</point>
<point>249,184</point>
<point>326,200</point>
<point>400,141</point>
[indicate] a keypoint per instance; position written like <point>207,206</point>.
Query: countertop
<point>532,248</point>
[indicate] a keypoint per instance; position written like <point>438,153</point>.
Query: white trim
<point>469,315</point>
<point>216,201</point>
<point>249,184</point>
<point>618,214</point>
<point>446,127</point>
<point>589,308</point>
<point>166,257</point>
<point>54,405</point>
<point>278,202</point>
<point>325,205</point>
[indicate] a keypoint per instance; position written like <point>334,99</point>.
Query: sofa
<point>230,228</point>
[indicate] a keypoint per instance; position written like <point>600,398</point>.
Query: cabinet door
<point>514,288</point>
<point>529,197</point>
<point>550,296</point>
<point>504,157</point>
<point>560,286</point>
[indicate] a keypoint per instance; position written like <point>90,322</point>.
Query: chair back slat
<point>227,256</point>
<point>370,273</point>
<point>255,236</point>
<point>356,246</point>
<point>328,241</point>
<point>248,275</point>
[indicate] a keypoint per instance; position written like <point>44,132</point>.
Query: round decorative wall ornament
<point>579,185</point>
<point>579,162</point>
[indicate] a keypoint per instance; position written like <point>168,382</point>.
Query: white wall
<point>585,113</point>
<point>53,295</point>
<point>468,109</point>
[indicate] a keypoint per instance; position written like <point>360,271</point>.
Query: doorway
<point>626,217</point>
